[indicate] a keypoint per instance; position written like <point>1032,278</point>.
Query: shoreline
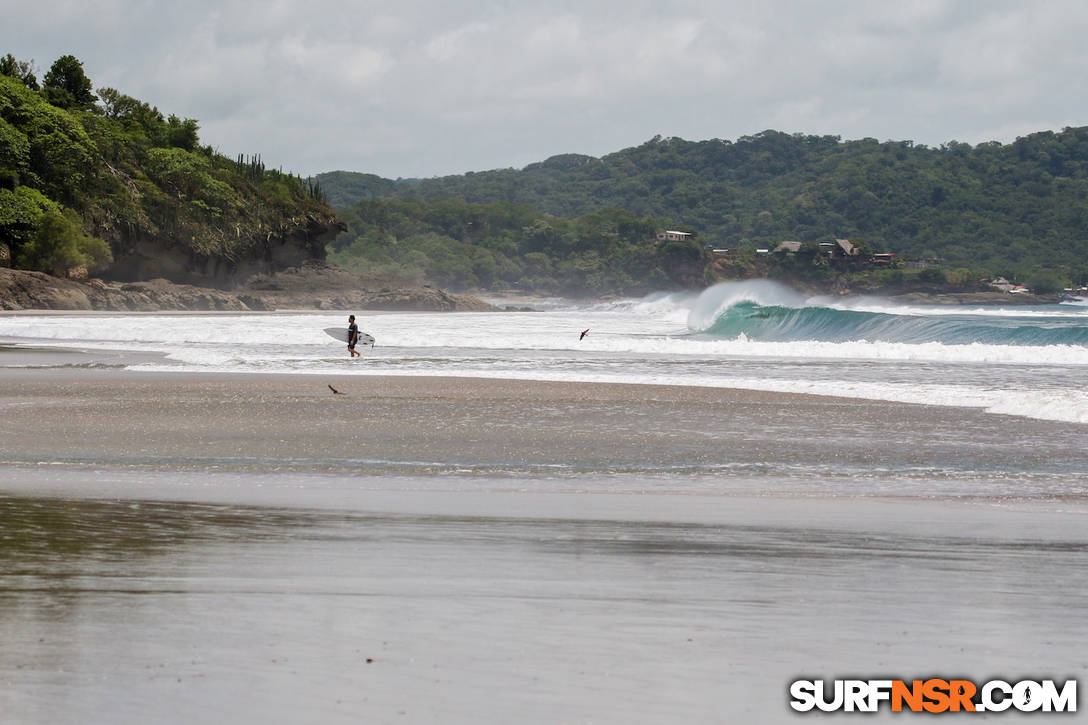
<point>16,355</point>
<point>460,387</point>
<point>675,438</point>
<point>322,287</point>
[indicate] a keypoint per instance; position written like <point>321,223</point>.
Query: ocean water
<point>759,335</point>
<point>648,559</point>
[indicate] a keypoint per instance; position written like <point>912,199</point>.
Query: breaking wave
<point>768,312</point>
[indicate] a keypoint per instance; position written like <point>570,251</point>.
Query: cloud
<point>423,88</point>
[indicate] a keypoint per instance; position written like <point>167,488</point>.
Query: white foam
<point>715,300</point>
<point>611,331</point>
<point>636,341</point>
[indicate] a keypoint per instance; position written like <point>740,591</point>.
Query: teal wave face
<point>773,323</point>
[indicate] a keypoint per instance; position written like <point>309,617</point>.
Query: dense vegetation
<point>86,178</point>
<point>1018,210</point>
<point>461,245</point>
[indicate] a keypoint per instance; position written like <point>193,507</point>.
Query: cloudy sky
<point>431,87</point>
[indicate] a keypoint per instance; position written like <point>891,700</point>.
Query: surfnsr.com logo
<point>933,695</point>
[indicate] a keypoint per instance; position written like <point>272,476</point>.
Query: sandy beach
<point>430,425</point>
<point>258,548</point>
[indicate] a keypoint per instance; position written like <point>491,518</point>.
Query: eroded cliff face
<point>314,286</point>
<point>140,256</point>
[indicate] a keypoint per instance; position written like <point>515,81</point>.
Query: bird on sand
<point>335,391</point>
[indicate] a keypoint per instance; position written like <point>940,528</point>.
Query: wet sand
<point>382,425</point>
<point>252,549</point>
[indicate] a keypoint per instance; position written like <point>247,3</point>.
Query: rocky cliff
<point>140,256</point>
<point>311,286</point>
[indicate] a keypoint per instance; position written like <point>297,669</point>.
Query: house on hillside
<point>846,249</point>
<point>838,249</point>
<point>1005,285</point>
<point>674,236</point>
<point>787,248</point>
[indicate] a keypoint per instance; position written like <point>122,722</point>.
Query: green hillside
<point>104,183</point>
<point>463,246</point>
<point>1017,210</point>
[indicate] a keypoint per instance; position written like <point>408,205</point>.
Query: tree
<point>961,277</point>
<point>116,104</point>
<point>1045,283</point>
<point>67,86</point>
<point>59,246</point>
<point>20,69</point>
<point>21,210</point>
<point>182,134</point>
<point>14,148</point>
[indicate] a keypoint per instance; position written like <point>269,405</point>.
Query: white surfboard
<point>341,334</point>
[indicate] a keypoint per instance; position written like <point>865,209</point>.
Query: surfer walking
<point>353,336</point>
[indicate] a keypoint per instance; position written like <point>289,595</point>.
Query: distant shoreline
<point>316,287</point>
<point>974,298</point>
<point>321,287</point>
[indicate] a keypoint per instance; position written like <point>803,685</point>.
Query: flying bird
<point>584,333</point>
<point>335,391</point>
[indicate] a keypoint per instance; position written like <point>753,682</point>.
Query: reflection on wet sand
<point>253,549</point>
<point>52,529</point>
<point>184,611</point>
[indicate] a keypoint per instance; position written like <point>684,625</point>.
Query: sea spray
<point>764,311</point>
<point>716,300</point>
